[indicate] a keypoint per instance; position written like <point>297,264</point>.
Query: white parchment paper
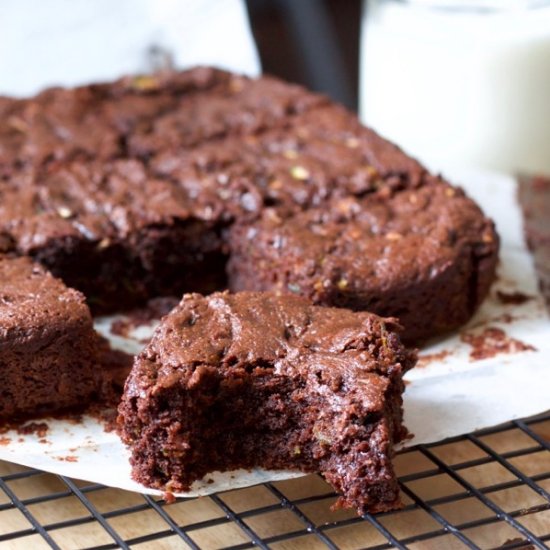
<point>447,395</point>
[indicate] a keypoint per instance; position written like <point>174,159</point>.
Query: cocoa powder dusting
<point>491,342</point>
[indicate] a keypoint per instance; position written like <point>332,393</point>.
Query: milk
<point>460,85</point>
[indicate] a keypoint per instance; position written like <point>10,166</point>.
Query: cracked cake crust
<point>148,185</point>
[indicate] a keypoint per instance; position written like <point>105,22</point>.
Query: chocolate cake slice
<point>257,380</point>
<point>48,347</point>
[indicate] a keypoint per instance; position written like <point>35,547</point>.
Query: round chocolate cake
<point>203,180</point>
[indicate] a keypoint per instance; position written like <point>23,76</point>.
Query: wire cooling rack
<point>489,489</point>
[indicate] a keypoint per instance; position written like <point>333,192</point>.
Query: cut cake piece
<point>48,347</point>
<point>253,379</point>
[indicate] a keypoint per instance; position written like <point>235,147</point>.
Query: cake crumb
<point>121,327</point>
<point>169,497</point>
<point>39,429</point>
<point>67,458</point>
<point>491,342</point>
<point>505,318</point>
<point>429,358</point>
<point>515,298</point>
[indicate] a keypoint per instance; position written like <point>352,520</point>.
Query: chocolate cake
<point>48,347</point>
<point>423,255</point>
<point>80,197</point>
<point>146,186</point>
<point>111,230</point>
<point>257,380</point>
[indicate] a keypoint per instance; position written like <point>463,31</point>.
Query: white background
<point>70,42</point>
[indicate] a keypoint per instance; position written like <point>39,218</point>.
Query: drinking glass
<point>460,84</point>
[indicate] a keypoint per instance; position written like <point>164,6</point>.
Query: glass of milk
<point>459,83</point>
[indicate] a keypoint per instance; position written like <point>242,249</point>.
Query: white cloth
<point>70,42</point>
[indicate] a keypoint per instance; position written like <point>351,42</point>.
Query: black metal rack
<point>524,468</point>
